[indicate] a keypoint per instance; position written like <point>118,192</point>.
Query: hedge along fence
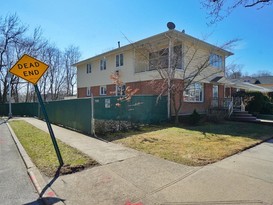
<point>76,113</point>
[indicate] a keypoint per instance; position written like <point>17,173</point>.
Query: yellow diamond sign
<point>29,68</point>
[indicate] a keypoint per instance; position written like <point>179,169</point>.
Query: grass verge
<point>195,146</point>
<point>39,147</point>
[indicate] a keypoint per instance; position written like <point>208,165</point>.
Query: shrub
<point>194,118</point>
<point>110,126</point>
<point>216,116</point>
<point>259,103</point>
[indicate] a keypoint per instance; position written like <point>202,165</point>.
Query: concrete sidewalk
<point>130,177</point>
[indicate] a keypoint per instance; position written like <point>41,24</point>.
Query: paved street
<point>15,185</point>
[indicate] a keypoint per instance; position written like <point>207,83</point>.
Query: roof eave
<point>227,53</point>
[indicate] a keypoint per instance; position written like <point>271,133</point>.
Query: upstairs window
<point>160,59</point>
<point>119,60</point>
<point>103,64</point>
<point>216,60</point>
<point>120,90</point>
<point>103,90</point>
<point>88,68</point>
<point>177,60</point>
<point>194,93</point>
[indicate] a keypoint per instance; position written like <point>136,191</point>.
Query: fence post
<point>92,115</point>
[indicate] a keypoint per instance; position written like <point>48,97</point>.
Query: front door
<point>215,96</point>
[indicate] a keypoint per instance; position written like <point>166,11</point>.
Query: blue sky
<point>97,25</point>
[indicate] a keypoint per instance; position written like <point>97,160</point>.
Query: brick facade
<point>153,88</point>
<point>230,91</point>
<point>82,92</point>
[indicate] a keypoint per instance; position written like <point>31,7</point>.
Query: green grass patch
<point>39,147</point>
<point>198,145</point>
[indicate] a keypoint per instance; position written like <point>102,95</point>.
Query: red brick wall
<point>111,89</point>
<point>221,91</point>
<point>201,107</point>
<point>95,90</point>
<point>153,88</point>
<point>230,91</point>
<point>82,92</point>
<point>147,87</point>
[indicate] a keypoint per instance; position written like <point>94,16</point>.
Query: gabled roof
<point>179,34</point>
<point>238,83</point>
<point>259,80</point>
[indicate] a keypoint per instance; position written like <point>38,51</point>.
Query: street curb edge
<point>34,173</point>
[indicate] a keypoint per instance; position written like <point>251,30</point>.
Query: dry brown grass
<point>198,145</point>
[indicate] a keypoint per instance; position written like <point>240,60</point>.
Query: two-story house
<point>151,62</point>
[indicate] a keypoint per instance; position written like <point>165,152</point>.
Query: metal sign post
<point>31,70</point>
<point>54,141</point>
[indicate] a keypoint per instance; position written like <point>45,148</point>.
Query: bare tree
<point>219,9</point>
<point>11,32</point>
<point>234,71</point>
<point>56,72</point>
<point>262,73</point>
<point>128,92</point>
<point>71,56</point>
<point>14,42</point>
<point>179,65</point>
<point>32,46</point>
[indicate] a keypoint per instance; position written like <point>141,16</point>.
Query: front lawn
<point>198,145</point>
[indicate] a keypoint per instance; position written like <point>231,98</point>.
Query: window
<point>160,59</point>
<point>119,60</point>
<point>120,90</point>
<point>215,96</point>
<point>177,61</point>
<point>103,64</point>
<point>88,91</point>
<point>194,93</point>
<point>103,90</point>
<point>215,91</point>
<point>88,68</point>
<point>216,60</point>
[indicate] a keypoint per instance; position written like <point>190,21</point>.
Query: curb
<point>49,197</point>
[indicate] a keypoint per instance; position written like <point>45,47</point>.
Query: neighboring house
<point>136,64</point>
<point>263,81</point>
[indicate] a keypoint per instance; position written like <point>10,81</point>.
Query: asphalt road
<point>15,185</point>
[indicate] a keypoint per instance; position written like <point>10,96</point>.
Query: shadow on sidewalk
<point>47,200</point>
<point>51,200</point>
